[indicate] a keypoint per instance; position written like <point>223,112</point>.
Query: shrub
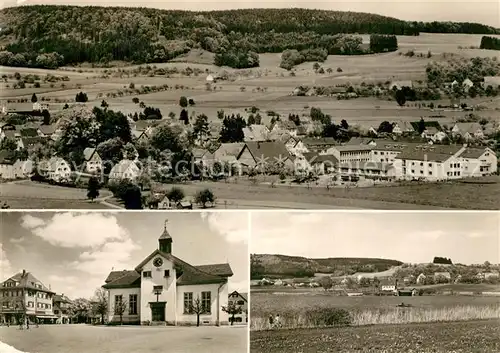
<point>328,317</point>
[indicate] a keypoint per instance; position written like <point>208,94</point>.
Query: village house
<point>468,131</point>
<point>23,291</point>
<point>431,163</point>
<point>12,168</point>
<point>353,171</point>
<point>240,299</point>
<point>224,153</point>
<point>402,128</point>
<point>319,145</point>
<point>9,131</point>
<point>387,285</point>
<point>442,277</point>
<point>93,162</point>
<point>61,305</point>
<point>351,153</point>
<point>37,106</point>
<point>421,279</point>
<point>256,133</point>
<point>263,155</point>
<point>163,289</point>
<point>493,81</point>
<point>280,127</point>
<point>387,150</point>
<point>316,163</point>
<point>125,169</point>
<point>47,130</point>
<point>478,162</point>
<point>56,169</point>
<point>467,84</point>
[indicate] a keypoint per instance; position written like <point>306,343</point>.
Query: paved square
<point>126,339</point>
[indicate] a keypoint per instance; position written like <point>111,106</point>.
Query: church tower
<point>165,241</point>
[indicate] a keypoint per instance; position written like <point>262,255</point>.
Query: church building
<point>163,289</point>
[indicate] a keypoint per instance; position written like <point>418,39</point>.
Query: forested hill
<point>71,34</point>
<point>294,266</point>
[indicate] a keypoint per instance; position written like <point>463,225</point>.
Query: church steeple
<point>165,241</point>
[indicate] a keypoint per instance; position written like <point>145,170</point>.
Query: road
<point>125,339</point>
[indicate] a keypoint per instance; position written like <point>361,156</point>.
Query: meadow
<point>267,87</point>
<point>317,308</point>
<point>438,337</point>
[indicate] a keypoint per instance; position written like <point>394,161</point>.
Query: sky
<point>74,252</point>
<point>468,238</point>
<point>487,12</point>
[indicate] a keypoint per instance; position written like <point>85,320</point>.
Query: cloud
<point>5,265</point>
<point>72,230</point>
<point>233,226</point>
<point>30,222</point>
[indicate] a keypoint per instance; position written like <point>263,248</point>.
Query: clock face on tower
<point>158,262</point>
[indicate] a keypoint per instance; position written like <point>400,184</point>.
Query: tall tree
<point>201,128</point>
<point>197,308</point>
<point>93,188</point>
<point>34,98</point>
<point>100,304</point>
<point>183,102</point>
<point>232,129</point>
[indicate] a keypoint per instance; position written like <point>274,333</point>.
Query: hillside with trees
<point>51,36</point>
<point>293,266</point>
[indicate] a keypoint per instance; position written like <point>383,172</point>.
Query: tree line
<point>50,36</point>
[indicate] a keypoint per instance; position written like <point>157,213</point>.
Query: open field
<point>84,339</point>
<point>31,195</point>
<point>302,310</point>
<point>424,196</point>
<point>277,82</point>
<point>456,337</point>
<point>246,195</point>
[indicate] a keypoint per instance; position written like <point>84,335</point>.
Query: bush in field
<point>328,317</point>
<point>291,58</point>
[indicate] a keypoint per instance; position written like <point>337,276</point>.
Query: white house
<point>468,130</point>
<point>467,84</point>
<point>421,278</point>
<point>11,168</point>
<point>163,289</point>
<point>430,163</point>
<point>125,169</point>
<point>478,162</point>
<point>210,79</point>
<point>56,169</point>
<point>402,127</point>
<point>93,162</point>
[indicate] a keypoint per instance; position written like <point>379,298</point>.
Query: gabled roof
<point>48,129</point>
<point>432,153</point>
<point>28,281</point>
<point>29,142</point>
<point>190,274</point>
<point>474,152</point>
<point>217,269</point>
<point>325,141</point>
<point>88,153</point>
<point>61,299</point>
<point>244,296</point>
<point>471,128</point>
<point>123,279</point>
<point>256,133</point>
<point>268,151</point>
<point>427,124</point>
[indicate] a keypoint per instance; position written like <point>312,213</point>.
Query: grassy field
<point>301,309</point>
<point>451,195</point>
<point>84,339</point>
<point>31,195</point>
<point>247,195</point>
<point>454,337</point>
<point>267,87</point>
